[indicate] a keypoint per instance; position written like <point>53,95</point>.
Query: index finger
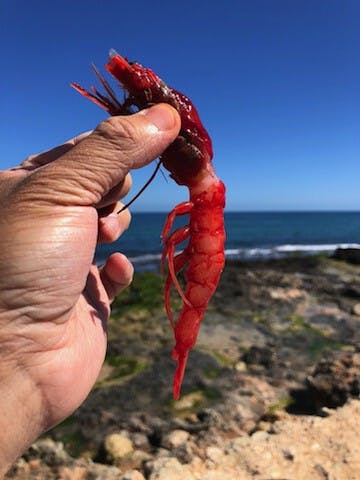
<point>35,161</point>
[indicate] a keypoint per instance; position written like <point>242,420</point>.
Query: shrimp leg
<point>179,262</point>
<point>169,250</point>
<point>182,209</point>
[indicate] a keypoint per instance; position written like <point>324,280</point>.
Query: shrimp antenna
<point>158,165</point>
<point>164,176</point>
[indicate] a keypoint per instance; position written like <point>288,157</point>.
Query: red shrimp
<point>188,159</point>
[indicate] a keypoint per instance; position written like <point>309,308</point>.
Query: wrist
<point>23,413</point>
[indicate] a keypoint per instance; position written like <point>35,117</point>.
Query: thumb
<point>88,171</point>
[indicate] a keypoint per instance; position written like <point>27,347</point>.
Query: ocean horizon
<point>250,235</point>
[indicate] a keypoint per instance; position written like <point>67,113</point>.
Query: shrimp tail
<point>179,372</point>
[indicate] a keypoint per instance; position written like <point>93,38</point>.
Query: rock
<point>260,435</point>
<point>215,454</point>
<point>169,468</point>
<point>140,440</point>
<point>116,447</point>
<point>133,475</point>
<point>263,356</point>
<point>240,366</point>
<point>210,417</point>
<point>286,294</point>
<point>188,401</point>
<point>139,457</point>
<point>138,423</point>
<point>264,426</point>
<point>350,255</point>
<point>185,452</point>
<point>356,309</point>
<point>351,291</point>
<point>334,380</point>
<point>175,438</point>
<point>85,470</point>
<point>203,420</point>
<point>50,452</point>
<point>75,469</point>
<point>75,473</point>
<point>238,444</point>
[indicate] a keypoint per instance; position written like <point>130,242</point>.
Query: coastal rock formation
<point>351,255</point>
<point>299,448</point>
<point>271,390</point>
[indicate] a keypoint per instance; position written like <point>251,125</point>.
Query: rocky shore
<point>271,389</point>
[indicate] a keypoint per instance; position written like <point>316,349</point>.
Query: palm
<point>66,337</point>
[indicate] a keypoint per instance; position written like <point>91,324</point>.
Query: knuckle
<point>119,134</point>
<point>127,136</point>
<point>118,130</point>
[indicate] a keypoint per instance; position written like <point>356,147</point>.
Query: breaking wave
<point>151,261</point>
<point>281,251</point>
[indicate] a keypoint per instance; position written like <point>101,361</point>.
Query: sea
<point>249,236</point>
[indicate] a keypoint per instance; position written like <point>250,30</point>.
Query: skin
<point>54,301</point>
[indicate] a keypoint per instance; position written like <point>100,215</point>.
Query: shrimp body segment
<point>188,159</point>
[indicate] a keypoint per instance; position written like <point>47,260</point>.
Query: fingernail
<point>162,116</point>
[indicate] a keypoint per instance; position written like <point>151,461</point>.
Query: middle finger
<point>112,224</point>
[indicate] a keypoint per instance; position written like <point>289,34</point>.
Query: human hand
<point>54,302</point>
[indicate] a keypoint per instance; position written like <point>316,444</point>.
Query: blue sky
<point>276,83</point>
